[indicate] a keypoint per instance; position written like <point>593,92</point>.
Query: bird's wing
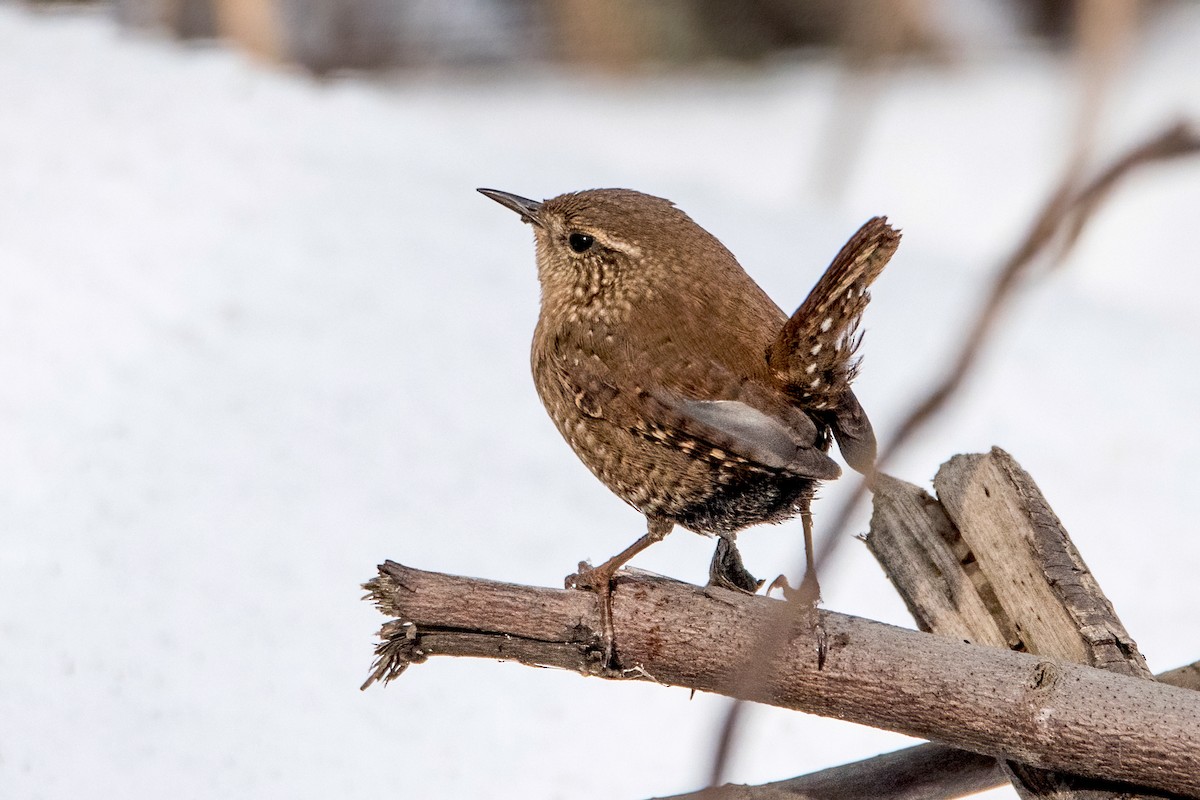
<point>733,421</point>
<point>748,432</point>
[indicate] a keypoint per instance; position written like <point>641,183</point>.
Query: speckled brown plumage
<point>674,377</point>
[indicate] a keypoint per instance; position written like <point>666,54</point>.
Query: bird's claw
<point>599,580</point>
<point>589,579</point>
<point>728,572</point>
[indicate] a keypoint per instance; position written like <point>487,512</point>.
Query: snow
<point>258,333</point>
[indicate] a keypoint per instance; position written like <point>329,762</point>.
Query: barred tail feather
<point>813,355</point>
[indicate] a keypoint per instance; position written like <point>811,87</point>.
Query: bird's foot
<point>807,618</point>
<point>808,592</point>
<point>599,580</point>
<point>780,583</point>
<point>590,579</point>
<point>727,571</point>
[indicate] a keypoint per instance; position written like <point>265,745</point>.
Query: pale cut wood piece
<point>925,558</point>
<point>1035,570</point>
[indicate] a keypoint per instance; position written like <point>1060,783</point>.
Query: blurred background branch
<point>619,35</point>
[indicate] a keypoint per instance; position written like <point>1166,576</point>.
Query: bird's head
<point>603,249</point>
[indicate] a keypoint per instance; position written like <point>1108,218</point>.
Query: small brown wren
<point>677,380</point>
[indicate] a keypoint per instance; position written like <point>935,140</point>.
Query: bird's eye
<point>580,242</point>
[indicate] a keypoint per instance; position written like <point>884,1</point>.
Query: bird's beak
<point>528,209</point>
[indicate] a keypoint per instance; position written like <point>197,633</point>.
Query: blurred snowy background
<point>259,333</point>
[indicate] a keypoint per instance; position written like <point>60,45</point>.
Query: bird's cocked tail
<point>814,354</point>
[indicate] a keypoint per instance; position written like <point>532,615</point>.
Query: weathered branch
<point>1043,712</point>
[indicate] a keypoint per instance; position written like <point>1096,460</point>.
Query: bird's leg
<point>808,594</point>
<point>599,579</point>
<point>809,590</point>
<point>727,570</point>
